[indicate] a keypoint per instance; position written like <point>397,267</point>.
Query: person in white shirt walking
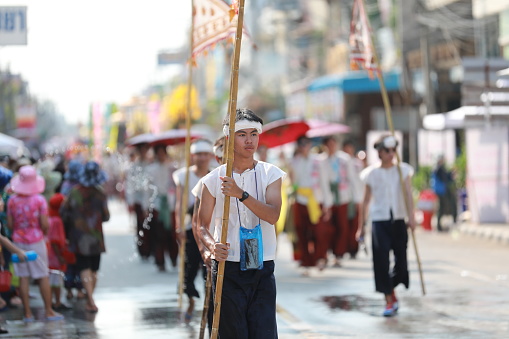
<point>344,184</point>
<point>201,154</point>
<point>388,213</point>
<point>162,201</point>
<point>312,208</point>
<point>138,197</point>
<point>248,304</point>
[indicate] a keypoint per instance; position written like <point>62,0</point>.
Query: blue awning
<point>357,82</point>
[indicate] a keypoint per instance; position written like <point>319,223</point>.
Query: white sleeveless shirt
<point>255,182</point>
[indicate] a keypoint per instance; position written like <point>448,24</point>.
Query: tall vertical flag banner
<point>362,54</point>
<point>214,21</point>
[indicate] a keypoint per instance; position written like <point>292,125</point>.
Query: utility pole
<point>429,99</point>
<point>406,91</point>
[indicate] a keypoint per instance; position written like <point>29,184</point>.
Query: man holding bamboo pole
<point>388,214</point>
<point>208,304</point>
<point>248,304</point>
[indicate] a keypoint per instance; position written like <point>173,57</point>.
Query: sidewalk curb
<point>496,232</point>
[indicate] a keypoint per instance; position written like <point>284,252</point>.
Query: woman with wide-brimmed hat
<point>71,176</point>
<point>88,205</point>
<point>27,217</point>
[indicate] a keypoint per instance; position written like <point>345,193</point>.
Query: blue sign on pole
<point>13,25</point>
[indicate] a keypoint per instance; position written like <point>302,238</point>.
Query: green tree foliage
<point>420,180</point>
<point>460,168</point>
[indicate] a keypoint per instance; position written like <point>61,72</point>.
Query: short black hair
<point>243,114</point>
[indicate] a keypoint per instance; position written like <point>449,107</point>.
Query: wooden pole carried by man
<point>232,108</point>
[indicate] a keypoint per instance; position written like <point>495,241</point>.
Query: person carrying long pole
<point>206,317</point>
<point>232,106</point>
<point>245,289</point>
<point>363,52</point>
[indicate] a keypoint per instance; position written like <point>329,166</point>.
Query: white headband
<point>390,142</point>
<point>201,147</point>
<point>243,124</point>
<point>218,151</point>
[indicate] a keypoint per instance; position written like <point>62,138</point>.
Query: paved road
<point>466,281</point>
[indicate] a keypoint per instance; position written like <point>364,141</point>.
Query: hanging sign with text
<point>13,25</point>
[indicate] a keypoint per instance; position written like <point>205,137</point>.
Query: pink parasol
<point>282,131</point>
<point>321,128</point>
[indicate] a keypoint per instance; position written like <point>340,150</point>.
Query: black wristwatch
<point>245,195</point>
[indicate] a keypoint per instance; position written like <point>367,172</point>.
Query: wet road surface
<point>466,282</point>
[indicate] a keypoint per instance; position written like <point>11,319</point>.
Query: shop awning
<point>12,147</point>
<point>466,116</point>
<point>357,82</point>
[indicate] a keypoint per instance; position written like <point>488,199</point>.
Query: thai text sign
<point>13,25</point>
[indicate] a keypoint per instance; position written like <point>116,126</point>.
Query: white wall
<point>488,174</point>
<point>435,143</point>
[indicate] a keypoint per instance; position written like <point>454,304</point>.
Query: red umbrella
<point>172,137</point>
<point>282,131</point>
<point>145,138</point>
<point>320,128</point>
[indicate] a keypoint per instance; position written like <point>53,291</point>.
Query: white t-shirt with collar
<point>266,174</point>
<point>386,191</point>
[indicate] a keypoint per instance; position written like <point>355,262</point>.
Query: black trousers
<point>144,235</point>
<point>248,303</point>
<point>192,265</point>
<point>386,236</point>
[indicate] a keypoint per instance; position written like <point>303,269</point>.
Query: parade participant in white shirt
<point>197,190</point>
<point>138,198</point>
<point>312,206</point>
<point>201,154</point>
<point>344,185</point>
<point>204,251</point>
<point>248,306</point>
<point>162,201</point>
<point>388,213</point>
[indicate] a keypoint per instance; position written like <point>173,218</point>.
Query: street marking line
<point>286,314</point>
<point>477,276</point>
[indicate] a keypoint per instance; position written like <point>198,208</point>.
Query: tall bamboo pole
<point>232,107</point>
<point>388,115</point>
<point>208,282</point>
<point>204,315</point>
<point>185,191</point>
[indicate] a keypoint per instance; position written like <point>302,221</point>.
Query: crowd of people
<point>52,209</point>
<point>328,191</point>
<point>322,194</point>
